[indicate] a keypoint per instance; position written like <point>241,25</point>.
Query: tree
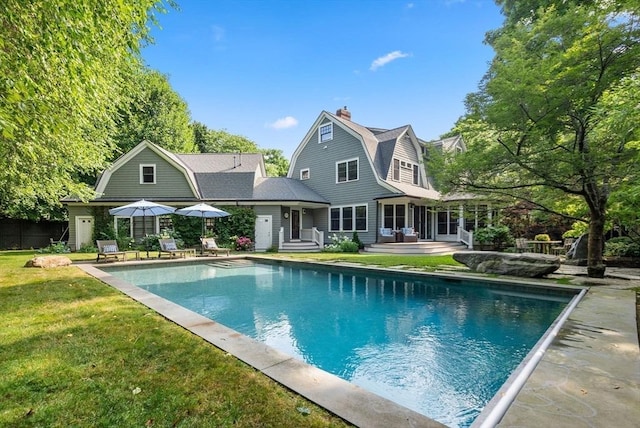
<point>62,66</point>
<point>275,162</point>
<point>539,128</point>
<point>212,141</point>
<point>153,111</point>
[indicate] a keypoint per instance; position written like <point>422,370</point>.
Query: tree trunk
<point>595,261</point>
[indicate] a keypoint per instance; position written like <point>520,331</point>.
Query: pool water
<point>436,346</point>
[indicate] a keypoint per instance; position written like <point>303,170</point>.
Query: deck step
<point>300,247</point>
<point>416,248</point>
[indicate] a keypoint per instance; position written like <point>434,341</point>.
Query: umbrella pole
<point>202,240</point>
<point>144,231</point>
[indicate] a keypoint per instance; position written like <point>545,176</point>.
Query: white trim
<point>147,165</point>
<point>346,161</point>
<point>302,171</point>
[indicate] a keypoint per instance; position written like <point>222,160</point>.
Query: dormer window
<point>325,133</point>
<point>147,174</point>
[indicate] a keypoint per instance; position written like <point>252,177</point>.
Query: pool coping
<point>352,403</point>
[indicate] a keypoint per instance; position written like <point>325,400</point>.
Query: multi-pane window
<point>395,216</point>
<point>325,133</point>
<point>165,223</point>
<point>349,218</point>
<point>361,217</point>
<point>396,169</point>
<point>447,222</point>
<point>147,174</point>
<point>389,217</point>
<point>347,171</point>
<point>400,216</point>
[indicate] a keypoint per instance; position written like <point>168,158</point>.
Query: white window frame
<point>146,165</point>
<point>415,174</point>
<point>353,218</point>
<point>323,137</point>
<point>395,170</point>
<point>302,174</point>
<point>346,161</point>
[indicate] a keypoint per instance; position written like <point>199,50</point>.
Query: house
<point>376,178</point>
<point>179,180</point>
<point>343,178</point>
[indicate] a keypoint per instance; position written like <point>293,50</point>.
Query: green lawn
<point>75,352</point>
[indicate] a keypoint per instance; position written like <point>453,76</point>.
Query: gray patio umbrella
<point>202,210</point>
<point>142,208</point>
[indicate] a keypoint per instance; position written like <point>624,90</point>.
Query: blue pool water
<point>436,346</point>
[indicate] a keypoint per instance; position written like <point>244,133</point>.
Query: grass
<point>429,263</point>
<point>75,352</point>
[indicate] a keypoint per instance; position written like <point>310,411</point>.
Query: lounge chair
<point>169,246</point>
<point>109,248</point>
<point>209,246</point>
<point>409,234</point>
<point>386,235</point>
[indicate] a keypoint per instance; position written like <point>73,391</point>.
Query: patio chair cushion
<point>170,246</point>
<point>109,248</point>
<point>210,245</point>
<point>386,231</point>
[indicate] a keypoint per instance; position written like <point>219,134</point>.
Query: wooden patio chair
<point>108,248</point>
<point>209,246</point>
<point>169,246</point>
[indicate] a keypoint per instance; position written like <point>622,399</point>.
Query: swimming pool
<point>433,345</point>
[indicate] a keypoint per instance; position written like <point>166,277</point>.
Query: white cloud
<point>284,123</point>
<point>217,32</point>
<point>384,60</point>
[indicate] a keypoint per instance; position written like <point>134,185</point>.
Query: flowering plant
<point>243,243</point>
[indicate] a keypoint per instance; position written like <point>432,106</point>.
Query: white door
<point>263,232</point>
<point>84,230</point>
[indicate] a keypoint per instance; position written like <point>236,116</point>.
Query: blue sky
<point>266,69</point>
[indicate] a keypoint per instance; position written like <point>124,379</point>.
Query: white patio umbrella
<point>202,210</point>
<point>142,208</point>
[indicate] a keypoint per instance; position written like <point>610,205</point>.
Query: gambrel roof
<point>219,177</point>
<point>380,146</point>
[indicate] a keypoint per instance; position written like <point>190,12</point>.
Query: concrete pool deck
<point>588,377</point>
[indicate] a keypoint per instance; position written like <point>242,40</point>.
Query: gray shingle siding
<point>321,163</point>
<point>125,181</point>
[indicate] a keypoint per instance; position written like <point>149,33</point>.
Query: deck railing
<point>465,237</point>
<point>313,235</point>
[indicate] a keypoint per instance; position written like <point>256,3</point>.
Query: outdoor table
<point>543,247</point>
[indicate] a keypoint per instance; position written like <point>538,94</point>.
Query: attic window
<point>147,174</point>
<point>304,174</point>
<point>325,133</point>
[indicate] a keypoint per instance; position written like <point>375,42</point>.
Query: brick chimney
<point>344,113</point>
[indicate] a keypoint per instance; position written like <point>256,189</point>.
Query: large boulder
<point>530,265</point>
<point>48,261</point>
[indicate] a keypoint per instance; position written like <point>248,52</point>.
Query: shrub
<point>341,244</point>
<point>542,237</point>
<point>621,247</point>
<point>55,248</point>
<point>498,236</point>
<point>356,240</point>
<point>243,243</point>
